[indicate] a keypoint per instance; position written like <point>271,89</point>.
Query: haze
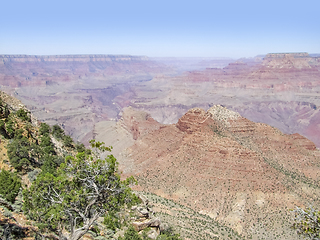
<point>160,28</point>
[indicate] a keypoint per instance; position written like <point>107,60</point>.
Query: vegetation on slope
<point>9,185</point>
<point>189,223</point>
<point>69,196</point>
<point>82,189</point>
<point>66,186</point>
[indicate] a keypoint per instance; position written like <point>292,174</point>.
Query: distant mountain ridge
<point>282,91</point>
<point>66,58</point>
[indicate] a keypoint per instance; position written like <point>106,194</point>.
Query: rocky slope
<point>243,174</point>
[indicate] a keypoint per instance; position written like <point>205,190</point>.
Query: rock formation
<point>244,174</point>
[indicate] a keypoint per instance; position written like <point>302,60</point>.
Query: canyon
<point>281,90</point>
<point>79,91</point>
<point>233,140</point>
<point>75,91</point>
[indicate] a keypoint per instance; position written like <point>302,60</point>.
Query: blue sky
<point>228,28</point>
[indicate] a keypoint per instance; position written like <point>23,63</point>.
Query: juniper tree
<point>9,185</point>
<point>84,188</point>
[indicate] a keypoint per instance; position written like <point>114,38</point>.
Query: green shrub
<point>9,185</point>
<point>33,174</point>
<point>130,234</point>
<point>10,128</point>
<point>47,145</point>
<point>19,153</point>
<point>44,129</point>
<point>307,222</point>
<point>4,110</point>
<point>80,147</point>
<point>86,183</point>
<point>23,115</point>
<point>111,221</point>
<point>57,131</point>
<point>2,127</point>
<point>51,163</point>
<point>67,141</point>
<point>168,234</point>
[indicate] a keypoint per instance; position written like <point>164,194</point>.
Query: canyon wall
<point>75,91</point>
<point>282,90</point>
<point>79,91</point>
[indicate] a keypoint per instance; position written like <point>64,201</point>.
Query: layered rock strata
<point>244,174</point>
<point>281,90</point>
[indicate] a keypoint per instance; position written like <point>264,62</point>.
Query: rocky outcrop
<point>286,61</point>
<point>139,226</point>
<point>222,114</point>
<point>192,120</point>
<point>234,170</point>
<point>137,123</point>
<point>142,217</point>
<point>13,103</point>
<point>303,142</point>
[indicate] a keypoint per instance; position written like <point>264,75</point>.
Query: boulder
<point>138,226</point>
<point>143,211</point>
<point>153,234</point>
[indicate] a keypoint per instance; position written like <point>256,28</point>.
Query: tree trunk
<point>62,237</point>
<point>78,234</point>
